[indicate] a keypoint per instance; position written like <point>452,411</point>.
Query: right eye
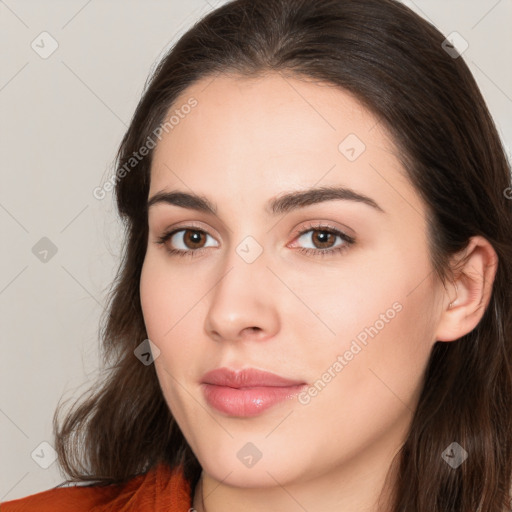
<point>185,241</point>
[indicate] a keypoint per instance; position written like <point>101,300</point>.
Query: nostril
<point>253,329</point>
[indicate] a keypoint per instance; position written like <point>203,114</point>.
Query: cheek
<point>167,301</point>
<point>153,297</point>
<point>385,355</point>
<point>383,325</point>
<point>170,304</point>
<point>166,296</point>
<point>369,377</point>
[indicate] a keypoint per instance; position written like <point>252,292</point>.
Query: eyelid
<point>297,233</point>
<point>322,225</point>
<point>192,224</point>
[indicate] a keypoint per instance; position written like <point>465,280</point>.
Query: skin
<point>246,142</point>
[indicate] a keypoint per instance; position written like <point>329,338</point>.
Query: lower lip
<point>247,401</point>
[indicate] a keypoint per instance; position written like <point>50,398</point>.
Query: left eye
<point>322,238</point>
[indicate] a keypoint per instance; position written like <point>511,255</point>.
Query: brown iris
<point>194,238</point>
<point>323,238</point>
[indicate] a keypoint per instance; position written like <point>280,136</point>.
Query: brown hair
<point>393,62</point>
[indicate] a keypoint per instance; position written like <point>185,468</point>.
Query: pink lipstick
<point>248,392</point>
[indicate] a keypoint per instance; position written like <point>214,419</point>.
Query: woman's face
<point>279,289</point>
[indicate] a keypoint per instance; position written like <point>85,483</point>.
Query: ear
<point>468,295</point>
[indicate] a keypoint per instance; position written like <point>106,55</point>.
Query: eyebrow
<point>283,204</point>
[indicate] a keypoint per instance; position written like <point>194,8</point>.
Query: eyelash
<point>307,251</point>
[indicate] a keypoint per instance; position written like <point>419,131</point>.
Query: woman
<point>313,311</point>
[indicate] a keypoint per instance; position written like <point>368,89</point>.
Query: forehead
<point>284,115</point>
<point>271,133</point>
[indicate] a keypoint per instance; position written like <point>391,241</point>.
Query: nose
<point>243,303</point>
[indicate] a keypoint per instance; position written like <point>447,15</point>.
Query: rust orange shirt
<point>159,490</point>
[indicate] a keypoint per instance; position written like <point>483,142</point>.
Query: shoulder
<point>146,492</point>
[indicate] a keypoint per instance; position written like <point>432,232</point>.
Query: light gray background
<point>61,120</point>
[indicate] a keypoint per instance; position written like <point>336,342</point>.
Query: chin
<point>227,464</point>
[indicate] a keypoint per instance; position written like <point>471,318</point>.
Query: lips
<point>247,378</point>
<point>248,392</point>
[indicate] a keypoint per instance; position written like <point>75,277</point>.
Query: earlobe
<point>470,293</point>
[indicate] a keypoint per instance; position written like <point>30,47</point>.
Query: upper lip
<point>248,377</point>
